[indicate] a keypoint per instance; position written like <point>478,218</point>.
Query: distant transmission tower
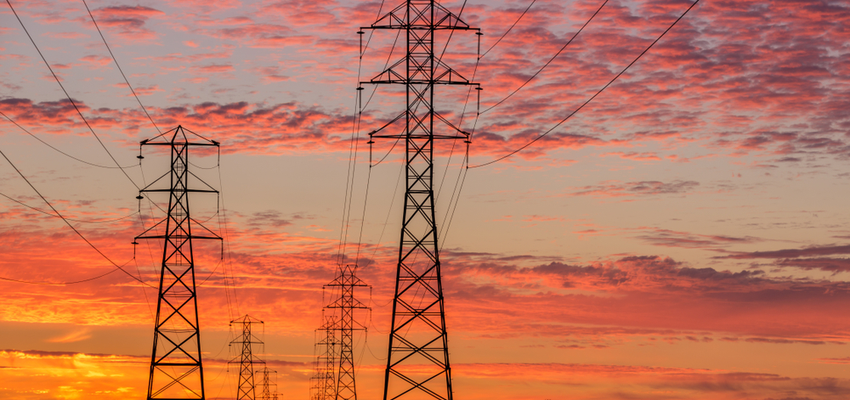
<point>324,381</point>
<point>346,281</point>
<point>246,388</point>
<point>266,384</point>
<point>418,355</point>
<point>176,371</point>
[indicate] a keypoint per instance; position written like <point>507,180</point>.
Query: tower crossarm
<point>418,15</point>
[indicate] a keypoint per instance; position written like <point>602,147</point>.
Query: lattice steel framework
<point>266,385</point>
<point>346,303</point>
<point>324,381</point>
<point>418,355</point>
<point>246,388</point>
<point>176,370</point>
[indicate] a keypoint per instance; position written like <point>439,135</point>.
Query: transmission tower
<point>418,355</point>
<point>176,370</point>
<point>266,385</point>
<point>246,389</point>
<point>324,382</point>
<point>346,281</point>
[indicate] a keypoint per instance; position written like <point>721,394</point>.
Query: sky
<point>683,236</point>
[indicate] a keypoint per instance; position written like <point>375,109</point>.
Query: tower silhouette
<point>325,379</point>
<point>266,392</point>
<point>176,370</point>
<point>346,303</point>
<point>247,385</point>
<point>418,355</point>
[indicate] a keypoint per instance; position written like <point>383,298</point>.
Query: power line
<point>63,283</point>
<point>353,148</point>
<point>69,219</point>
<point>592,97</point>
<point>547,62</point>
<point>509,29</point>
<point>72,226</point>
<point>119,67</point>
<point>60,151</point>
<point>69,96</point>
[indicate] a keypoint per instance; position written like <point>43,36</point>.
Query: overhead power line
<point>64,283</point>
<point>523,147</point>
<point>547,62</point>
<point>58,150</point>
<point>509,29</point>
<point>119,67</point>
<point>69,219</point>
<point>69,96</point>
<point>72,226</point>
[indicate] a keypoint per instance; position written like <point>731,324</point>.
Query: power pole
<point>418,355</point>
<point>346,281</point>
<point>246,389</point>
<point>176,370</point>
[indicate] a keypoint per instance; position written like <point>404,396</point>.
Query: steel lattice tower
<point>346,281</point>
<point>176,370</point>
<point>418,355</point>
<point>324,386</point>
<point>246,389</point>
<point>265,385</point>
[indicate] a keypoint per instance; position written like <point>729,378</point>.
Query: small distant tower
<point>176,370</point>
<point>266,385</point>
<point>324,381</point>
<point>346,281</point>
<point>246,389</point>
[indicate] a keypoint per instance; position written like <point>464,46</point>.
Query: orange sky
<point>682,237</point>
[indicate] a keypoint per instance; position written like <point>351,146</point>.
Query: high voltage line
<point>57,149</point>
<point>509,29</point>
<point>228,287</point>
<point>72,226</point>
<point>119,66</point>
<point>354,146</point>
<point>69,219</point>
<point>547,62</point>
<point>592,97</point>
<point>55,77</point>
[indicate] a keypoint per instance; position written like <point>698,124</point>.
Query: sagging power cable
<point>72,226</point>
<point>561,122</point>
<point>73,103</point>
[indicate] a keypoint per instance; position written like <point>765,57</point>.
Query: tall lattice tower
<point>346,303</point>
<point>418,355</point>
<point>176,370</point>
<point>247,385</point>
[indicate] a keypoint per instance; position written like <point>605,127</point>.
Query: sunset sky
<point>684,236</point>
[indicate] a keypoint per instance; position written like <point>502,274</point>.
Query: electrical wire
<point>72,226</point>
<point>509,29</point>
<point>45,283</point>
<point>55,77</point>
<point>119,66</point>
<point>450,217</point>
<point>227,253</point>
<point>592,97</point>
<point>69,219</point>
<point>352,155</point>
<point>60,151</point>
<point>547,62</point>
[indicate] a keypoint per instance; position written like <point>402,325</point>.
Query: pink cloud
<point>128,21</point>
